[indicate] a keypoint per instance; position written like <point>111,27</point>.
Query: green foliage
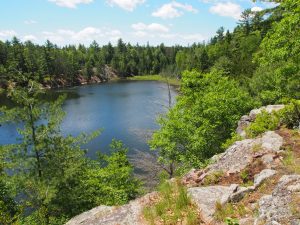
<point>234,137</point>
<point>231,221</point>
<point>290,115</point>
<point>278,74</point>
<point>51,172</point>
<point>264,121</point>
<point>246,178</point>
<point>112,181</point>
<point>205,114</point>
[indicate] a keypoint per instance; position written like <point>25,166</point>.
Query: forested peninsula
<point>210,171</point>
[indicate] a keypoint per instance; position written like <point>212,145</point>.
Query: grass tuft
<point>173,207</point>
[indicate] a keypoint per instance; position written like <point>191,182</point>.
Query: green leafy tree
<point>50,172</point>
<point>278,75</point>
<point>205,114</point>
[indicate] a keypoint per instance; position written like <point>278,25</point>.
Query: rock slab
<point>129,214</point>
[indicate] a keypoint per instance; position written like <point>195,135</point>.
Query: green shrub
<point>231,221</point>
<point>290,115</point>
<point>264,121</point>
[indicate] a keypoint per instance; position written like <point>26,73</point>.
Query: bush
<point>290,115</point>
<point>264,121</point>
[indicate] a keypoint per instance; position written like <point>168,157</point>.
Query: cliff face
<point>257,178</point>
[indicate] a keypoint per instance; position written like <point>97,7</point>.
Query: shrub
<point>264,121</point>
<point>290,115</point>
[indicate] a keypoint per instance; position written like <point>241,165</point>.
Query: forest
<point>45,176</point>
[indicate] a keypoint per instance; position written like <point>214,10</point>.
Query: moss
<point>213,178</point>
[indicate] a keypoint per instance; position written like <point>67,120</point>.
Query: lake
<point>126,110</point>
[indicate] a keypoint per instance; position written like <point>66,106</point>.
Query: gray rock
<point>240,193</point>
<point>238,157</point>
<point>240,154</point>
<point>129,214</point>
<point>207,197</point>
<point>263,175</point>
<point>271,141</point>
<point>276,208</point>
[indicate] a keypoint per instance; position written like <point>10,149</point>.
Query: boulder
<point>263,175</point>
<point>206,198</point>
<point>238,157</point>
<point>129,214</point>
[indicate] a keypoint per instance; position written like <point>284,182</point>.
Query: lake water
<point>126,110</point>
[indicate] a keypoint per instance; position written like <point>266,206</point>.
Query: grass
<point>229,210</point>
<point>173,207</point>
<point>172,81</point>
<point>291,162</point>
<point>295,206</point>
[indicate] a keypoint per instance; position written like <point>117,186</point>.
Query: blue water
<point>126,110</point>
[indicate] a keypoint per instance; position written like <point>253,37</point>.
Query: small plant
<point>228,212</point>
<point>174,206</point>
<point>231,221</point>
<point>223,211</point>
<point>245,175</point>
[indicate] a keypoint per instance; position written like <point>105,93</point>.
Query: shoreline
<point>172,81</point>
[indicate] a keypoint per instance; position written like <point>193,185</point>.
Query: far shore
<point>172,81</point>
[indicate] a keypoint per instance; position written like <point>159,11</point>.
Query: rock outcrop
<point>240,156</point>
<point>129,214</point>
<point>207,197</point>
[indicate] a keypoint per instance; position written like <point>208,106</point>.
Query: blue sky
<point>135,21</point>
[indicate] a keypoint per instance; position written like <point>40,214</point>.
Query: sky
<point>170,22</point>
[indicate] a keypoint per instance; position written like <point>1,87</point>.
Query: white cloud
<point>227,9</point>
<point>29,37</point>
<point>173,9</point>
<point>85,36</point>
<point>256,9</point>
<point>153,27</point>
<point>7,34</point>
<point>29,22</point>
<point>128,5</point>
<point>70,3</point>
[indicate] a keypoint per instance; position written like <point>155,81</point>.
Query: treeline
<point>228,51</point>
<point>24,61</point>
